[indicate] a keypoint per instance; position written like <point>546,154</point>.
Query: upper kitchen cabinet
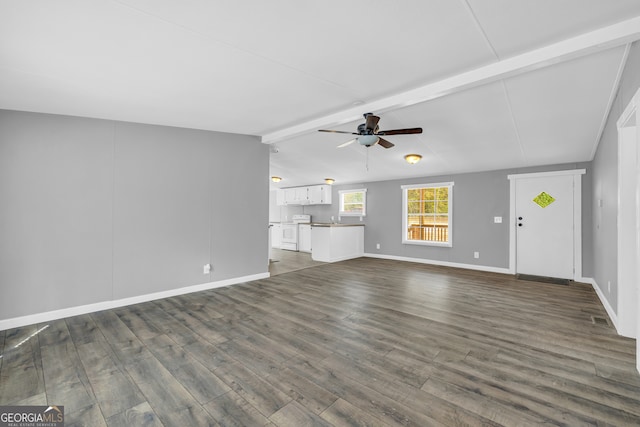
<point>320,195</point>
<point>311,195</point>
<point>294,196</point>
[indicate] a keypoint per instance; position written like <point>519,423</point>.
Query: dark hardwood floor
<point>362,342</point>
<point>283,261</point>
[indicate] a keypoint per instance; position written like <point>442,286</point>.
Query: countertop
<point>331,224</point>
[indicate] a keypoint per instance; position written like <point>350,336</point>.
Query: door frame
<point>577,216</point>
<point>628,216</point>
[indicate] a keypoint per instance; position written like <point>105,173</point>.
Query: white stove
<point>290,231</point>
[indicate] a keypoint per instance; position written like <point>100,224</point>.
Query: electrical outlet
<point>377,245</point>
<point>206,269</point>
<point>476,254</point>
<point>608,285</point>
<point>360,219</point>
<point>497,219</point>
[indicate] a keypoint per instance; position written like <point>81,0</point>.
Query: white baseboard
<point>442,263</point>
<point>48,316</point>
<point>603,300</point>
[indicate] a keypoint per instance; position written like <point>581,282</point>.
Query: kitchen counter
<point>332,224</point>
<point>336,242</point>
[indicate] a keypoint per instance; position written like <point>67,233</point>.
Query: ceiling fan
<point>369,133</point>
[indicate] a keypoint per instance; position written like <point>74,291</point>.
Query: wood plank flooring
<point>365,342</point>
<point>283,261</point>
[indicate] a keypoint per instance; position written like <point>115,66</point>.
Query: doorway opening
<point>284,261</point>
<point>628,321</point>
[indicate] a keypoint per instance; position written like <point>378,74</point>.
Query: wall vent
<point>542,279</point>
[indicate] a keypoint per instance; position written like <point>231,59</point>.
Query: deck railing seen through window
<point>428,214</point>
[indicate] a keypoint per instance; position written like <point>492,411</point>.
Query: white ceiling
<point>494,83</point>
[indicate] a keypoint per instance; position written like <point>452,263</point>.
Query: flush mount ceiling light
<point>329,180</point>
<point>276,179</point>
<point>412,159</point>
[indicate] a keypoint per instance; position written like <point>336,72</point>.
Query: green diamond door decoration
<point>543,200</point>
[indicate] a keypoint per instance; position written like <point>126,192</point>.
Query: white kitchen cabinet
<point>302,195</point>
<point>315,194</point>
<point>276,236</point>
<point>311,195</point>
<point>320,195</point>
<point>337,242</point>
<point>295,196</point>
<point>326,195</point>
<point>289,196</point>
<point>304,237</point>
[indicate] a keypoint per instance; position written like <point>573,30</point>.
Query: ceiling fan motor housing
<point>362,129</point>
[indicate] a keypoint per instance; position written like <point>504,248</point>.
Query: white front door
<point>544,210</point>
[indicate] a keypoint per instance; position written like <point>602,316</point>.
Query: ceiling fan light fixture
<point>412,159</point>
<point>276,179</point>
<point>329,180</point>
<point>368,140</point>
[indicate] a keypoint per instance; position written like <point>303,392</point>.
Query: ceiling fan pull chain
<point>367,161</point>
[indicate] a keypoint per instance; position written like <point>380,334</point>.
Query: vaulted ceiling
<point>494,83</point>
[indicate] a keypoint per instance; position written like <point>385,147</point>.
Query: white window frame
<point>405,214</point>
<point>341,194</point>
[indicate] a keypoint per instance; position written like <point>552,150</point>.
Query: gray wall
<point>605,185</point>
<point>477,199</point>
<point>97,210</point>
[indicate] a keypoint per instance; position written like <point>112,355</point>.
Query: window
<point>353,202</point>
<point>427,214</point>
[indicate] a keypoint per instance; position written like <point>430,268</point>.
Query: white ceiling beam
<point>595,41</point>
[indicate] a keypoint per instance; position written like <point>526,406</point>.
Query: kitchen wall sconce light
<point>412,159</point>
<point>329,180</point>
<point>276,179</point>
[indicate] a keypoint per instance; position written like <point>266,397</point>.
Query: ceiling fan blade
<point>385,143</point>
<point>400,131</point>
<point>337,131</point>
<point>372,122</point>
<point>347,143</point>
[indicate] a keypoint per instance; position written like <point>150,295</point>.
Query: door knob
<point>520,224</point>
<point>520,218</point>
